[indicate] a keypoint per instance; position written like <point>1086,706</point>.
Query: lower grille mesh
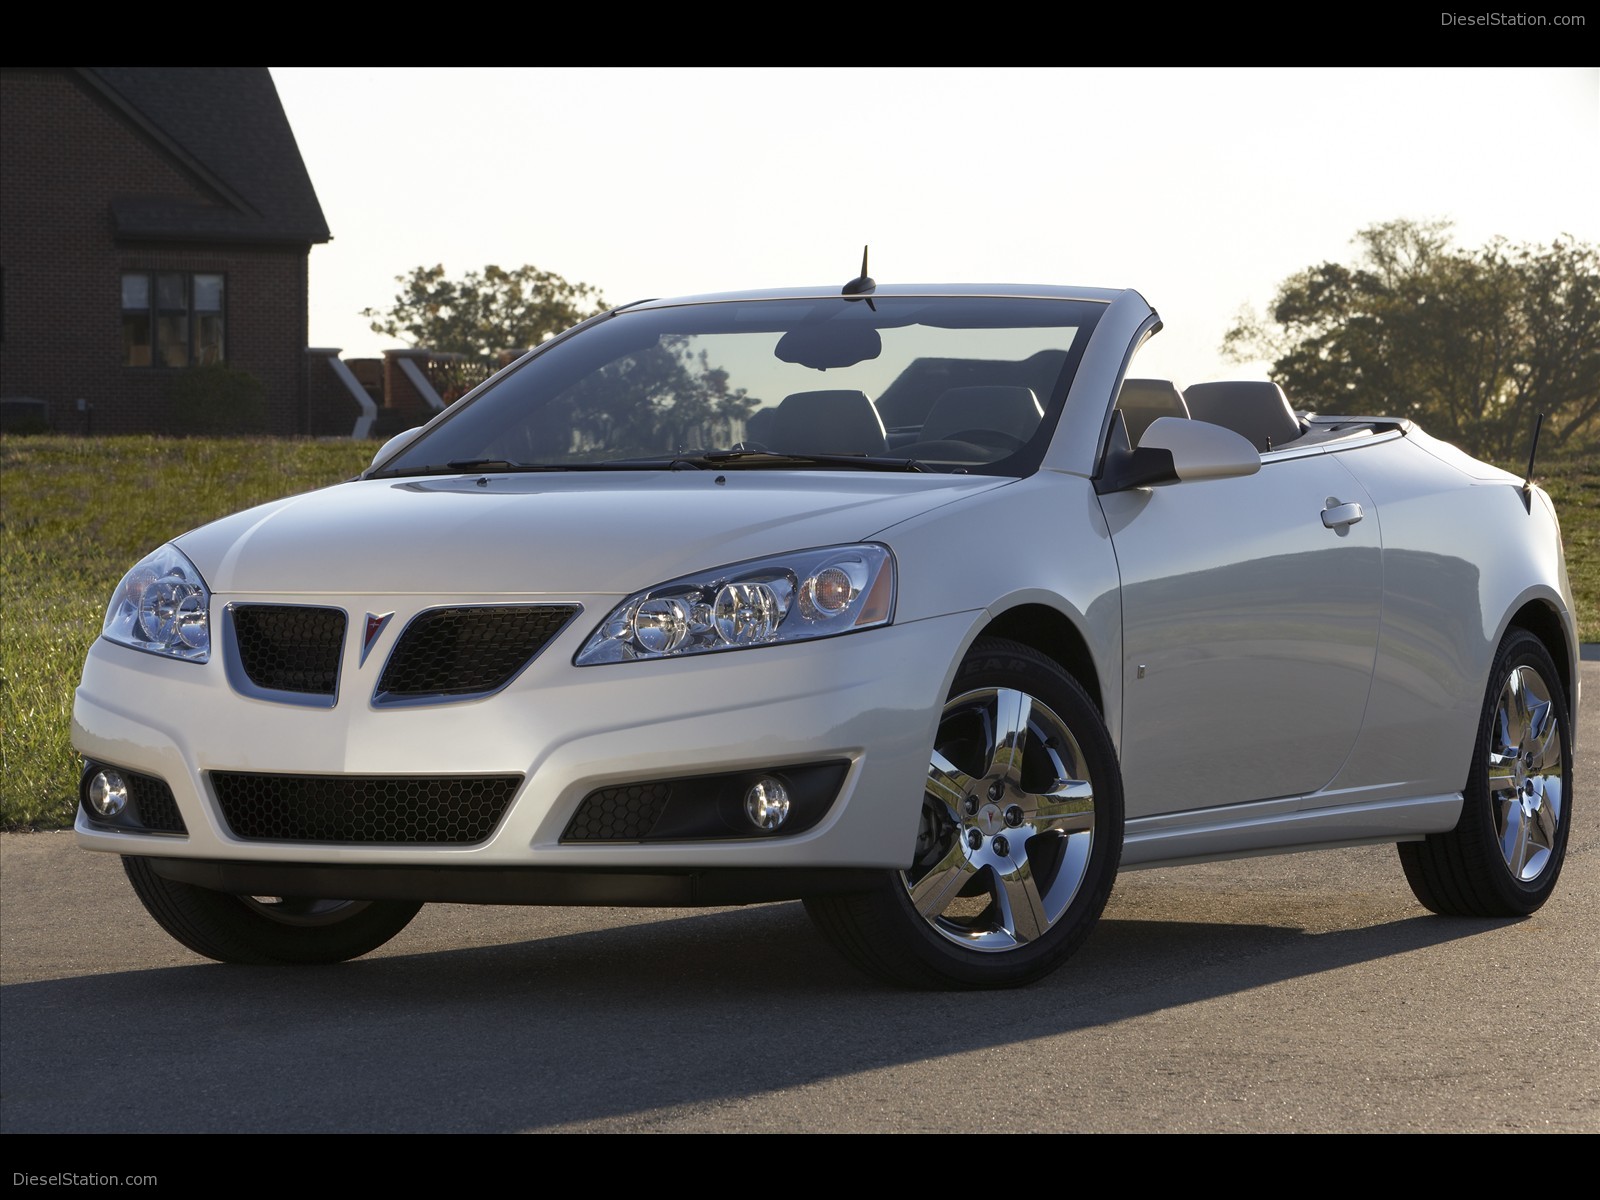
<point>153,801</point>
<point>369,809</point>
<point>618,814</point>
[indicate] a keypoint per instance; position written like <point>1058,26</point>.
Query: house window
<point>171,319</point>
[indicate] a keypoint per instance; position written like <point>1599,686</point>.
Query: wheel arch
<point>1051,632</point>
<point>1541,617</point>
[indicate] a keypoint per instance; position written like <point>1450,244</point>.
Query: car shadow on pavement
<point>602,1029</point>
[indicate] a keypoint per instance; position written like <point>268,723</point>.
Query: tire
<point>1504,855</point>
<point>265,930</point>
<point>1019,842</point>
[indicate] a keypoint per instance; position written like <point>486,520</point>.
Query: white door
<point>1250,612</point>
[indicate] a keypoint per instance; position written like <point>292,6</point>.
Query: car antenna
<point>863,285</point>
<point>1533,448</point>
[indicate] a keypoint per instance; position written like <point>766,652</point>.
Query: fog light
<point>767,803</point>
<point>108,793</point>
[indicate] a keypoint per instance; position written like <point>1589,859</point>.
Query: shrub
<point>218,400</point>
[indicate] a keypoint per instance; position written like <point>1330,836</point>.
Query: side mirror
<point>1174,450</point>
<point>393,446</point>
<point>1201,450</point>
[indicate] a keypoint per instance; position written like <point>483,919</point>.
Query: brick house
<point>154,220</point>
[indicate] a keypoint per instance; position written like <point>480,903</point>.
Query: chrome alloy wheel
<point>1525,774</point>
<point>1007,822</point>
<point>1504,855</point>
<point>1018,842</point>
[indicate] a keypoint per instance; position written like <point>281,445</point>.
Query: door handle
<point>1338,516</point>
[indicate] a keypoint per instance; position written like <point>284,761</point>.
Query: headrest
<point>827,422</point>
<point>1254,408</point>
<point>1141,401</point>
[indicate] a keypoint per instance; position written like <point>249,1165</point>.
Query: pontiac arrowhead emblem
<point>375,624</point>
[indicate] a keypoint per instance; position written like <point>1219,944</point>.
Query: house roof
<point>227,127</point>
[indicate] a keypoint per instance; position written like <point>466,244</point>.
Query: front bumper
<point>869,700</point>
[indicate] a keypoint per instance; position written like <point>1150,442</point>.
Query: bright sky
<point>1201,187</point>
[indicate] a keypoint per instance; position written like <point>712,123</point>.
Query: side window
<point>172,318</point>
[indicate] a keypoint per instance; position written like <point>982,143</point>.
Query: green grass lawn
<point>76,513</point>
<point>1573,481</point>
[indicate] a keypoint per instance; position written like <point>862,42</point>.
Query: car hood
<point>613,532</point>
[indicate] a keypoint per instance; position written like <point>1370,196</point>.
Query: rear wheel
<point>266,929</point>
<point>1019,841</point>
<point>1504,855</point>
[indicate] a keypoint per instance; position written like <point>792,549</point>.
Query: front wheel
<point>1505,853</point>
<point>265,930</point>
<point>1019,840</point>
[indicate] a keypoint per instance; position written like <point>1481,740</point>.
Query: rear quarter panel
<point>1462,552</point>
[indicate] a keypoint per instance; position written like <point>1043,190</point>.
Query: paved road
<point>1301,993</point>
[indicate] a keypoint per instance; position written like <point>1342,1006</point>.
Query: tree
<point>485,312</point>
<point>1470,343</point>
<point>659,395</point>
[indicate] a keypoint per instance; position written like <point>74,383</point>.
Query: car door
<point>1250,611</point>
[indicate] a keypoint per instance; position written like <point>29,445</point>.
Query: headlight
<point>788,598</point>
<point>162,606</point>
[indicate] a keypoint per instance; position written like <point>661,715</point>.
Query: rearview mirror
<point>829,345</point>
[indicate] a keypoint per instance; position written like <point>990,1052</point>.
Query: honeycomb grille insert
<point>625,814</point>
<point>369,809</point>
<point>290,648</point>
<point>153,801</point>
<point>468,651</point>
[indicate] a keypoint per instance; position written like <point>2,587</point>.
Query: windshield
<point>911,383</point>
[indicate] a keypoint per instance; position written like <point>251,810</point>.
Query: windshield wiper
<point>459,466</point>
<point>678,462</point>
<point>480,464</point>
<point>499,466</point>
<point>870,462</point>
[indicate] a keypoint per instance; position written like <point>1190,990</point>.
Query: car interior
<point>1256,410</point>
<point>979,422</point>
<point>841,421</point>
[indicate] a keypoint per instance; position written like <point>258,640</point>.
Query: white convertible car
<point>913,603</point>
